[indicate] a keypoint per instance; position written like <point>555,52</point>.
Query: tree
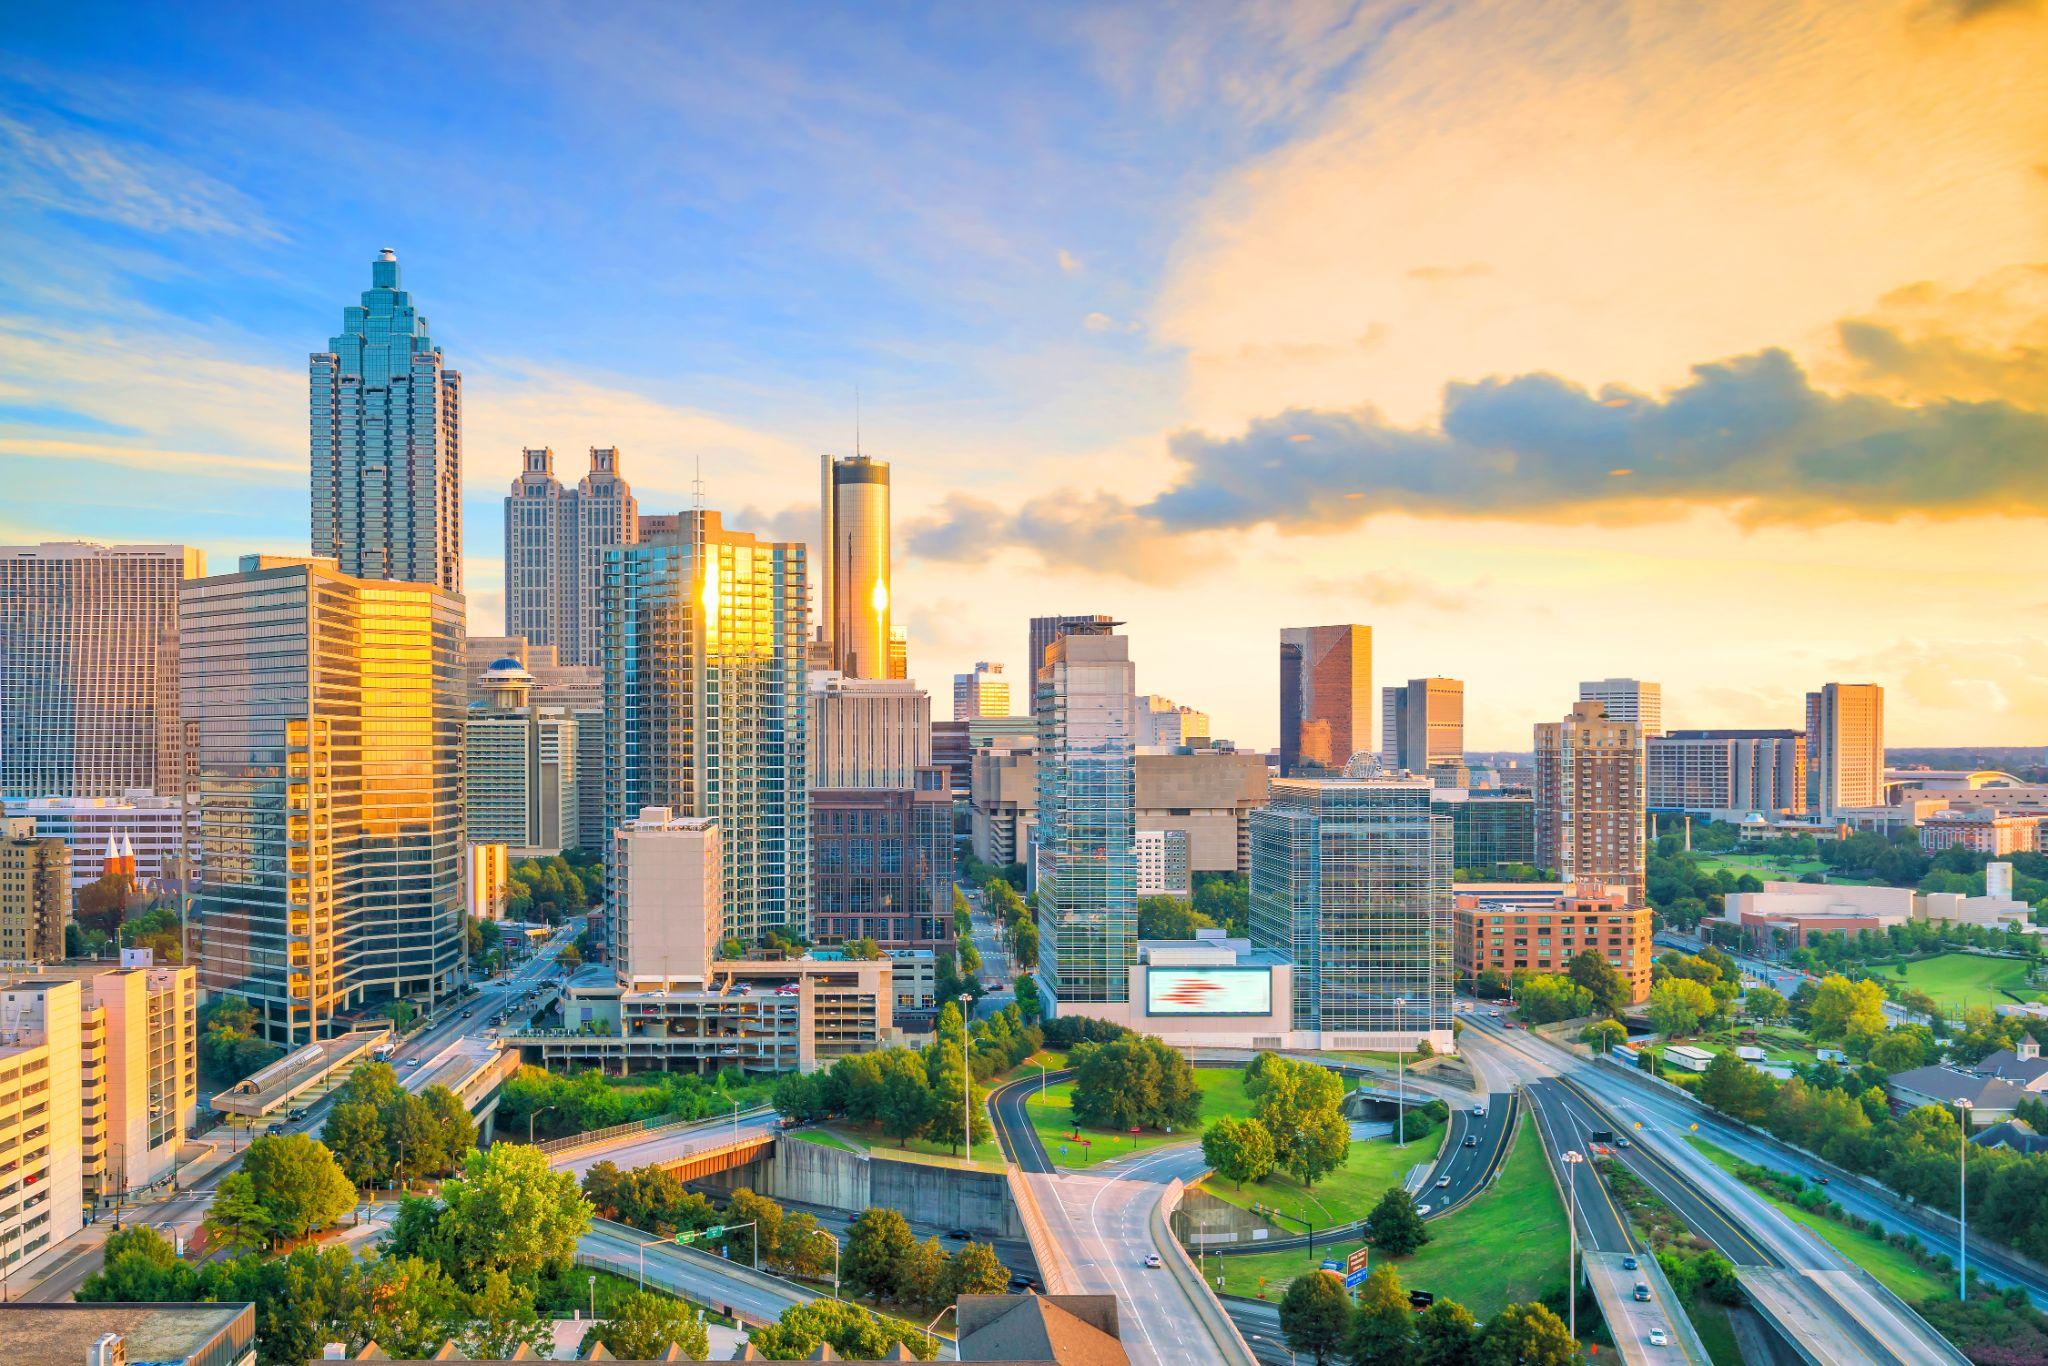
<point>1547,997</point>
<point>1735,1088</point>
<point>1134,1082</point>
<point>295,1183</point>
<point>1239,1149</point>
<point>801,1096</point>
<point>1598,978</point>
<point>1170,917</point>
<point>876,1245</point>
<point>1527,1335</point>
<point>355,1135</point>
<point>766,1216</point>
<point>923,1278</point>
<point>853,1333</point>
<point>140,1266</point>
<point>1678,1006</point>
<point>642,1327</point>
<point>1765,1005</point>
<point>1383,1329</point>
<point>502,1319</point>
<point>1445,1335</point>
<point>1394,1227</point>
<point>509,1212</point>
<point>907,1106</point>
<point>975,1270</point>
<point>1603,1035</point>
<point>1842,1008</point>
<point>1301,1107</point>
<point>802,1248</point>
<point>1315,1316</point>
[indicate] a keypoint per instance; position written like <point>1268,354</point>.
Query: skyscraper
<point>1589,799</point>
<point>89,668</point>
<point>1045,630</point>
<point>985,692</point>
<point>867,732</point>
<point>705,705</point>
<point>555,539</point>
<point>1325,698</point>
<point>326,715</point>
<point>1087,820</point>
<point>387,443</point>
<point>1351,880</point>
<point>35,892</point>
<point>1725,771</point>
<point>1422,724</point>
<point>855,582</point>
<point>1844,747</point>
<point>1628,699</point>
<point>519,776</point>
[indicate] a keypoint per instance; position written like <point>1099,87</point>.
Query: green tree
<point>1302,1109</point>
<point>355,1135</point>
<point>1239,1149</point>
<point>876,1245</point>
<point>1765,1005</point>
<point>1134,1082</point>
<point>1678,1007</point>
<point>510,1212</point>
<point>1603,1036</point>
<point>289,1181</point>
<point>642,1327</point>
<point>1842,1008</point>
<point>922,1279</point>
<point>1383,1328</point>
<point>1315,1317</point>
<point>975,1270</point>
<point>906,1106</point>
<point>1593,974</point>
<point>1394,1226</point>
<point>416,1308</point>
<point>1445,1335</point>
<point>1735,1088</point>
<point>802,1248</point>
<point>1170,917</point>
<point>502,1319</point>
<point>140,1266</point>
<point>1547,997</point>
<point>1527,1335</point>
<point>853,1333</point>
<point>766,1216</point>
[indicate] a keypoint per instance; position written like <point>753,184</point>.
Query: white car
<point>1443,1183</point>
<point>1152,1260</point>
<point>1479,1112</point>
<point>1422,1209</point>
<point>1659,1338</point>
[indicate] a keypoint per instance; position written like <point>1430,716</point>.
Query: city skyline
<point>1068,383</point>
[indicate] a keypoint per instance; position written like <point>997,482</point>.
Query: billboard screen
<point>1209,991</point>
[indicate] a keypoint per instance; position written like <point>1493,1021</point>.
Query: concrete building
<point>1207,794</point>
<point>572,687</point>
<point>1351,882</point>
<point>1800,910</point>
<point>159,1334</point>
<point>327,806</point>
<point>867,732</point>
<point>1325,698</point>
<point>1045,630</point>
<point>1209,992</point>
<point>520,769</point>
<point>668,915</point>
<point>35,893</point>
<point>1087,821</point>
<point>951,754</point>
<point>387,443</point>
<point>882,865</point>
<point>1725,773</point>
<point>1510,928</point>
<point>1628,699</point>
<point>1422,725</point>
<point>555,539</point>
<point>137,825</point>
<point>1163,863</point>
<point>1589,799</point>
<point>1844,747</point>
<point>1489,827</point>
<point>705,705</point>
<point>1984,830</point>
<point>486,875</point>
<point>89,668</point>
<point>854,577</point>
<point>1165,726</point>
<point>42,1115</point>
<point>985,692</point>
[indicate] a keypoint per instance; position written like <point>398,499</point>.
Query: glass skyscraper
<point>325,718</point>
<point>1351,880</point>
<point>704,693</point>
<point>1086,846</point>
<point>853,593</point>
<point>1325,698</point>
<point>387,443</point>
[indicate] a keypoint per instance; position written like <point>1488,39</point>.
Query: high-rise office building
<point>667,917</point>
<point>1489,827</point>
<point>985,692</point>
<point>867,732</point>
<point>1045,630</point>
<point>1325,698</point>
<point>1164,724</point>
<point>705,705</point>
<point>882,864</point>
<point>1087,820</point>
<point>1628,699</point>
<point>89,668</point>
<point>555,540</point>
<point>326,711</point>
<point>1844,747</point>
<point>1351,880</point>
<point>853,566</point>
<point>1422,724</point>
<point>1725,771</point>
<point>387,443</point>
<point>520,769</point>
<point>1589,799</point>
<point>35,893</point>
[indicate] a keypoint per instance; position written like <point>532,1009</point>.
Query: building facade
<point>1589,799</point>
<point>705,705</point>
<point>1325,698</point>
<point>35,892</point>
<point>1422,725</point>
<point>1981,831</point>
<point>137,826</point>
<point>853,566</point>
<point>520,774</point>
<point>985,692</point>
<point>1208,795</point>
<point>42,1115</point>
<point>1351,883</point>
<point>327,797</point>
<point>1628,699</point>
<point>1087,820</point>
<point>1708,771</point>
<point>1844,747</point>
<point>386,443</point>
<point>1489,827</point>
<point>1165,725</point>
<point>89,668</point>
<point>668,915</point>
<point>555,539</point>
<point>1045,630</point>
<point>1510,929</point>
<point>882,865</point>
<point>867,732</point>
<point>1163,863</point>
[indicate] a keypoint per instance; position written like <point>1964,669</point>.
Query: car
<point>958,1235</point>
<point>1470,1141</point>
<point>1659,1338</point>
<point>299,1113</point>
<point>467,1013</point>
<point>1621,1142</point>
<point>1422,1209</point>
<point>1479,1112</point>
<point>1443,1183</point>
<point>1643,1291</point>
<point>1824,1180</point>
<point>1152,1261</point>
<point>1628,1264</point>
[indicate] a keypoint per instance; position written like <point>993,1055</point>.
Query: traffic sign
<point>1332,1264</point>
<point>1358,1258</point>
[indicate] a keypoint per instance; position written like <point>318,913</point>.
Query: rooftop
<point>155,1333</point>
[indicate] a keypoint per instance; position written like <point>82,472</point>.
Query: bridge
<point>473,1068</point>
<point>324,1064</point>
<point>690,1149</point>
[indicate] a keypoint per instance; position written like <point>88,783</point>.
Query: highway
<point>668,1145</point>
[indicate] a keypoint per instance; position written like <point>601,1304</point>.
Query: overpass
<point>690,1149</point>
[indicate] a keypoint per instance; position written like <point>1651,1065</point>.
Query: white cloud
<point>72,171</point>
<point>1069,263</point>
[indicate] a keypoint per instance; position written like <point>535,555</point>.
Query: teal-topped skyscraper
<point>387,442</point>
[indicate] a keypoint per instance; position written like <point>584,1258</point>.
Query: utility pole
<point>967,1084</point>
<point>1572,1160</point>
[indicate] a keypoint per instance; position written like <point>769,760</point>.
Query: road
<point>985,931</point>
<point>669,1145</point>
<point>1781,979</point>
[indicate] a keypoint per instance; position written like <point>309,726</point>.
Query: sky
<point>1698,343</point>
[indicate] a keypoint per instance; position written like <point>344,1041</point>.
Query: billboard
<point>1209,991</point>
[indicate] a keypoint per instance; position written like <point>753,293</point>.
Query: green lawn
<point>1710,1321</point>
<point>1508,1245</point>
<point>1959,979</point>
<point>987,1153</point>
<point>1347,1194</point>
<point>1052,1116</point>
<point>825,1140</point>
<point>1894,1269</point>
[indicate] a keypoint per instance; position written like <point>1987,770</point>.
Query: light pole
<point>966,1084</point>
<point>735,1123</point>
<point>593,1299</point>
<point>1963,1108</point>
<point>1572,1160</point>
<point>532,1117</point>
<point>828,1233</point>
<point>1401,1072</point>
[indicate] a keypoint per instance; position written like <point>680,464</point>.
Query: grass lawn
<point>987,1153</point>
<point>1347,1194</point>
<point>1508,1245</point>
<point>825,1140</point>
<point>1717,1335</point>
<point>1895,1269</point>
<point>1052,1116</point>
<point>1959,979</point>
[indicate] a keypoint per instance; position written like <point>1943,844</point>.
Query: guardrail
<point>1054,1269</point>
<point>592,1138</point>
<point>1222,1330</point>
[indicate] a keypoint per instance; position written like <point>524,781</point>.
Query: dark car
<point>1628,1264</point>
<point>1643,1291</point>
<point>958,1235</point>
<point>1471,1142</point>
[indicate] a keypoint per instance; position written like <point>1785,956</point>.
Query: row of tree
<point>1322,1322</point>
<point>907,1093</point>
<point>548,889</point>
<point>561,1105</point>
<point>379,1131</point>
<point>884,1261</point>
<point>1133,1082</point>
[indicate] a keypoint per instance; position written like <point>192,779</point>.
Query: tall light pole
<point>1401,1071</point>
<point>1572,1160</point>
<point>1963,1108</point>
<point>967,1084</point>
<point>532,1117</point>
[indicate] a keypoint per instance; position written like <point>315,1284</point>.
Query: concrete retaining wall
<point>810,1174</point>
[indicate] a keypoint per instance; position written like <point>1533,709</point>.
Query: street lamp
<point>1401,1071</point>
<point>593,1299</point>
<point>966,1084</point>
<point>1572,1160</point>
<point>1963,1108</point>
<point>828,1233</point>
<point>532,1117</point>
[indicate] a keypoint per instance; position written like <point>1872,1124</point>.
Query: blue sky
<point>1088,267</point>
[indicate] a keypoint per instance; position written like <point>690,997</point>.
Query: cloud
<point>1379,588</point>
<point>1752,435</point>
<point>1437,275</point>
<point>1099,322</point>
<point>72,171</point>
<point>1069,263</point>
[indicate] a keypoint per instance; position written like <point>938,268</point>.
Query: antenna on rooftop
<point>697,484</point>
